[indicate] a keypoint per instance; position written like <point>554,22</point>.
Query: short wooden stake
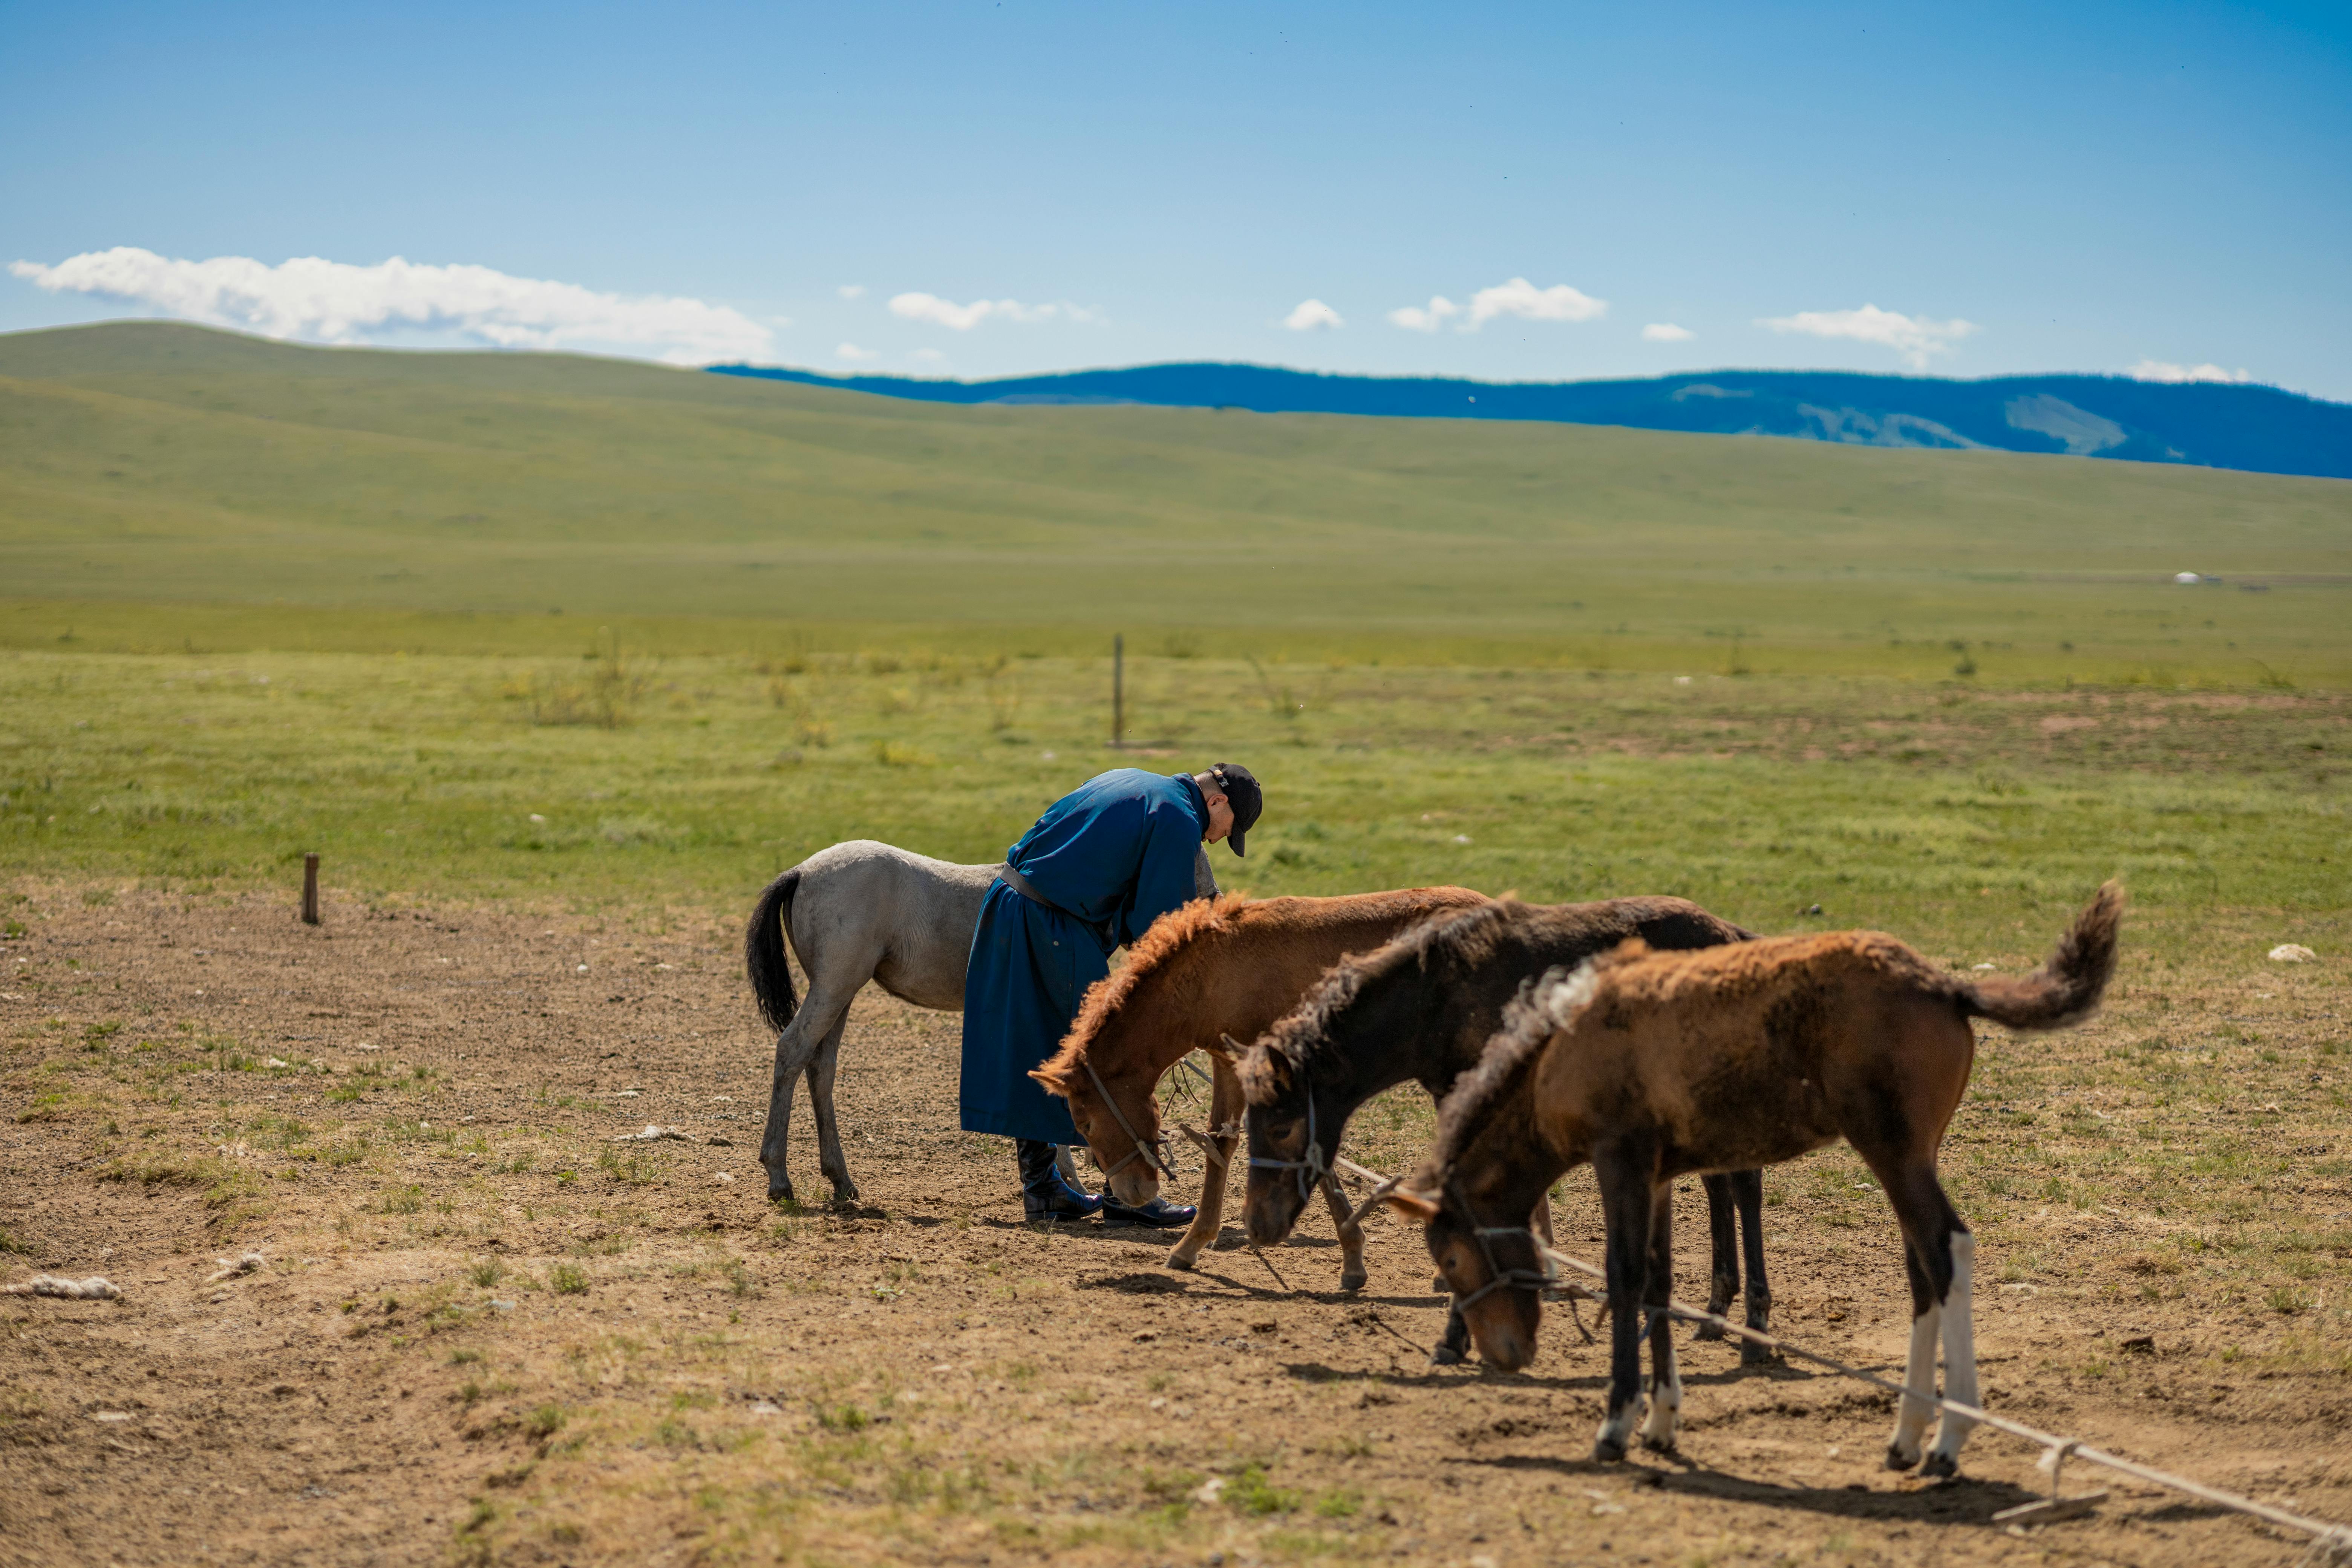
<point>309,889</point>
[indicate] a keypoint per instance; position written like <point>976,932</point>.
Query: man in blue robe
<point>1102,864</point>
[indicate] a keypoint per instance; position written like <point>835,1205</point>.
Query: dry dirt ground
<point>483,1330</point>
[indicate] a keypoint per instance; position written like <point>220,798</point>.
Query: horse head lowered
<point>1213,970</point>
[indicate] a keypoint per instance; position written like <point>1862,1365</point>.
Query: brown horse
<point>1655,1065</point>
<point>1424,1008</point>
<point>1227,966</point>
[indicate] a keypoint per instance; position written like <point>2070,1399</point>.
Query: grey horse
<point>855,912</point>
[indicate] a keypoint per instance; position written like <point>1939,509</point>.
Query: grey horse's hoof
<point>1445,1356</point>
<point>1753,1354</point>
<point>1896,1459</point>
<point>845,1192</point>
<point>1178,1260</point>
<point>780,1189</point>
<point>1608,1450</point>
<point>1656,1445</point>
<point>1710,1331</point>
<point>1939,1467</point>
<point>1354,1279</point>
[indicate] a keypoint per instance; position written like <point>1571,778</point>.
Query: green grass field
<point>1974,818</point>
<point>268,599</point>
<point>152,463</point>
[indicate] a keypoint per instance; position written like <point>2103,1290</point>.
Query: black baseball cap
<point>1241,792</point>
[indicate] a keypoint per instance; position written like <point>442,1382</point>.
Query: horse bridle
<point>1497,1277</point>
<point>1312,1170</point>
<point>1157,1161</point>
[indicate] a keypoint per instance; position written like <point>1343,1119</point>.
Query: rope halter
<point>1157,1160</point>
<point>1311,1165</point>
<point>1497,1277</point>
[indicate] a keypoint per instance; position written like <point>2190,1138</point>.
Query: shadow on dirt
<point>1965,1502</point>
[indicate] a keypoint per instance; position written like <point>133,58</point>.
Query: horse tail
<point>2066,989</point>
<point>763,951</point>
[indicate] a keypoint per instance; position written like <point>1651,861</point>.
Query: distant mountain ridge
<point>2210,425</point>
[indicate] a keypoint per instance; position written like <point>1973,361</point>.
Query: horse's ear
<point>1052,1082</point>
<point>1226,1048</point>
<point>1264,1074</point>
<point>1413,1206</point>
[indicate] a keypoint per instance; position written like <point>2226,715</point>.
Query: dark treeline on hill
<point>2211,424</point>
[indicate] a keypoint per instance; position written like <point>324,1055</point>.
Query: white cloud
<point>1913,337</point>
<point>336,302</point>
<point>919,307</point>
<point>1425,320</point>
<point>1522,298</point>
<point>1309,314</point>
<point>1517,298</point>
<point>1666,332</point>
<point>855,354</point>
<point>928,356</point>
<point>2157,370</point>
<point>852,290</point>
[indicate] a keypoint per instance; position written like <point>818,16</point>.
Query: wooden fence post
<point>309,889</point>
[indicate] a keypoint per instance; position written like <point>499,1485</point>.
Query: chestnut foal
<point>1227,966</point>
<point>1423,1007</point>
<point>1654,1064</point>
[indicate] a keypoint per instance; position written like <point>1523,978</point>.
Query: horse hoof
<point>779,1192</point>
<point>845,1192</point>
<point>1709,1330</point>
<point>1940,1466</point>
<point>1180,1260</point>
<point>1445,1356</point>
<point>1355,1280</point>
<point>1753,1354</point>
<point>1898,1460</point>
<point>1664,1445</point>
<point>1608,1450</point>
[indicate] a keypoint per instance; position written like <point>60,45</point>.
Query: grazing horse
<point>1220,967</point>
<point>1423,1007</point>
<point>1653,1065</point>
<point>858,911</point>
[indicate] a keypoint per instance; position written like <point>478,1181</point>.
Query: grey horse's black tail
<point>763,951</point>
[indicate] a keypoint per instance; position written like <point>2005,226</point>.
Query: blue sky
<point>1019,187</point>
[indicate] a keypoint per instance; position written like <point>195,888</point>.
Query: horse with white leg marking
<point>1423,1007</point>
<point>858,911</point>
<point>1658,1064</point>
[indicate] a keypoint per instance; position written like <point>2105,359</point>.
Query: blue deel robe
<point>1117,851</point>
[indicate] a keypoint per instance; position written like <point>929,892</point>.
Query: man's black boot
<point>1158,1212</point>
<point>1044,1194</point>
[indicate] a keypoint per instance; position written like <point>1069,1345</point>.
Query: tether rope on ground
<point>2331,1544</point>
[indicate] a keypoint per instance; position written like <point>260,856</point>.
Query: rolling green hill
<point>156,463</point>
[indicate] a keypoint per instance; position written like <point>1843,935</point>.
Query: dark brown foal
<point>1423,1007</point>
<point>1656,1065</point>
